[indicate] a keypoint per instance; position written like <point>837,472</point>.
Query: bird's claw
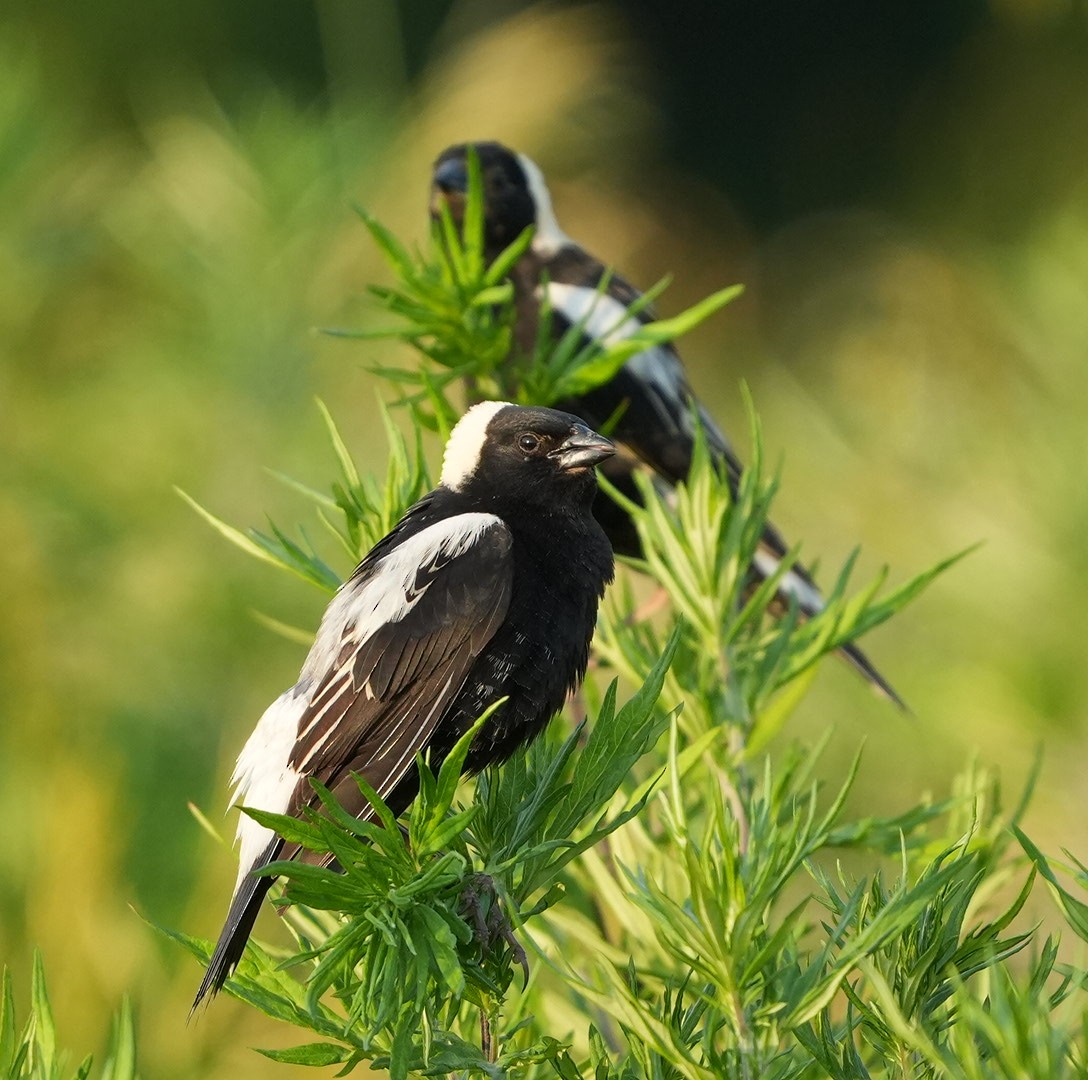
<point>480,901</point>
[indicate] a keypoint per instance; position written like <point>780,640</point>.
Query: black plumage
<point>649,401</point>
<point>487,588</point>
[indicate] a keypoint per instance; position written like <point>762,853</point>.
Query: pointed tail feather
<point>864,666</point>
<point>798,585</point>
<point>658,427</point>
<point>241,916</point>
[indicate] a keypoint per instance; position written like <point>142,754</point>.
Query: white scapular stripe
<point>603,317</point>
<point>388,593</point>
<point>548,238</point>
<point>792,584</point>
<point>608,321</point>
<point>661,369</point>
<point>263,777</point>
<point>466,442</point>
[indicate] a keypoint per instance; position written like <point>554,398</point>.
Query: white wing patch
<point>661,368</point>
<point>465,443</point>
<point>263,778</point>
<point>603,317</point>
<point>607,321</point>
<point>388,592</point>
<point>548,238</point>
<point>792,584</point>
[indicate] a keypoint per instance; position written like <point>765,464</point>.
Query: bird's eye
<point>528,443</point>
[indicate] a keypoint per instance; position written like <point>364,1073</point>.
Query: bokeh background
<point>902,188</point>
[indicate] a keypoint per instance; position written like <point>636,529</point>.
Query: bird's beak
<point>582,449</point>
<point>450,187</point>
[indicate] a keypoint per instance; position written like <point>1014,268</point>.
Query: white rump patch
<point>792,584</point>
<point>465,443</point>
<point>548,238</point>
<point>262,778</point>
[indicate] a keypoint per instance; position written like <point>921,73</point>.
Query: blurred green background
<point>904,192</point>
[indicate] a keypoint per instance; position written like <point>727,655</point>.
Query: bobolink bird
<point>649,401</point>
<point>487,588</point>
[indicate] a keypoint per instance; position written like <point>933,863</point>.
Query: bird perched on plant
<point>487,588</point>
<point>648,405</point>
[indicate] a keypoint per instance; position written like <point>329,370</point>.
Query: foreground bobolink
<point>487,588</point>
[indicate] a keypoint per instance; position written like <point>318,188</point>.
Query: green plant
<point>672,892</point>
<point>33,1053</point>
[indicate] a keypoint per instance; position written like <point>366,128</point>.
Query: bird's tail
<point>862,664</point>
<point>661,431</point>
<point>798,585</point>
<point>241,916</point>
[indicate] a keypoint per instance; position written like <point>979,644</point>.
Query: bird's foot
<point>480,902</point>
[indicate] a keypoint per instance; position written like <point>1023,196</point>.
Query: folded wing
<point>394,649</point>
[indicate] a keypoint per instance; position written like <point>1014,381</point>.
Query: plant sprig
<point>33,1053</point>
<point>457,313</point>
<point>676,887</point>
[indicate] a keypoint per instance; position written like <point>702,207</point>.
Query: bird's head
<point>523,455</point>
<point>514,191</point>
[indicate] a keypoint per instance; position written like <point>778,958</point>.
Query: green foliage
<point>692,906</point>
<point>573,365</point>
<point>459,308</point>
<point>699,544</point>
<point>357,513</point>
<point>1074,909</point>
<point>33,1053</point>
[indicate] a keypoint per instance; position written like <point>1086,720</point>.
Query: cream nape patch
<point>465,443</point>
<point>548,237</point>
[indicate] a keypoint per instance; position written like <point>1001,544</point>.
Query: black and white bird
<point>487,588</point>
<point>649,401</point>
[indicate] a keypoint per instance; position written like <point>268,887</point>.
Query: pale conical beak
<point>451,176</point>
<point>582,449</point>
<point>449,187</point>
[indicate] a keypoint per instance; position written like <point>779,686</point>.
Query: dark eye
<point>528,443</point>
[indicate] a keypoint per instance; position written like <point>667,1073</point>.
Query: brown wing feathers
<point>381,701</point>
